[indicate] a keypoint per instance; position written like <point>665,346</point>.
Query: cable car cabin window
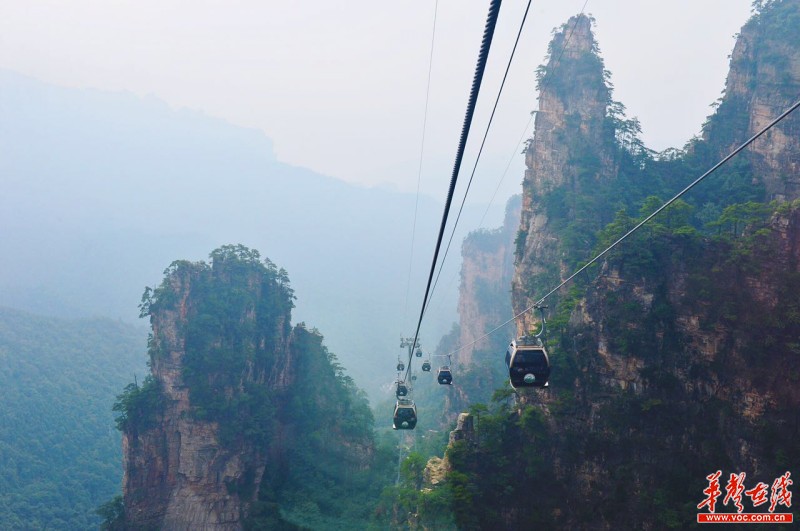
<point>534,359</point>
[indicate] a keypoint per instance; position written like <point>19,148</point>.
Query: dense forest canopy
<point>59,453</point>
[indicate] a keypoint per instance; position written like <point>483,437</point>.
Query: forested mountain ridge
<point>675,357</point>
<point>245,420</point>
<point>59,452</point>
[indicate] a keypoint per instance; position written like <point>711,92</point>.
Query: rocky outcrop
<point>237,401</point>
<point>465,430</point>
<point>435,472</point>
<point>179,474</point>
<point>486,270</point>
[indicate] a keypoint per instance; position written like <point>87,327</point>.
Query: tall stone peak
<point>573,97</point>
<point>234,402</point>
<point>181,469</point>
<point>763,81</point>
<point>570,151</point>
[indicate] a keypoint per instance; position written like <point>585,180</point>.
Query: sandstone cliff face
<point>696,364</point>
<point>724,315</point>
<point>484,301</point>
<point>763,81</point>
<point>674,364</point>
<point>487,267</point>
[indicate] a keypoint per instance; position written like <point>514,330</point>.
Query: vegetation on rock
<point>262,388</point>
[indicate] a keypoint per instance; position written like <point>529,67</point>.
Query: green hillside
<point>59,450</point>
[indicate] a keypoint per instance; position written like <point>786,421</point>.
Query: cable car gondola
<point>402,389</point>
<point>527,361</point>
<point>400,366</point>
<point>444,376</point>
<point>419,353</point>
<point>405,415</point>
<point>528,365</point>
<point>426,366</point>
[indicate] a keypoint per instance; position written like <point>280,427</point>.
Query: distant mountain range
<point>103,190</point>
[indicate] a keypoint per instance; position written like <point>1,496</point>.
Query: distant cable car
<point>444,376</point>
<point>528,365</point>
<point>426,366</point>
<point>402,389</point>
<point>413,377</point>
<point>400,366</point>
<point>419,353</point>
<point>405,414</point>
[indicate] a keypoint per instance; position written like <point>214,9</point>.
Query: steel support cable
<point>486,43</point>
<point>677,196</point>
<point>483,143</point>
<point>421,151</point>
<point>545,82</point>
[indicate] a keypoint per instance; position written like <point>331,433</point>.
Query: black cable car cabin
<point>528,365</point>
<point>400,366</point>
<point>405,415</point>
<point>444,376</point>
<point>402,389</point>
<point>418,353</point>
<point>426,366</point>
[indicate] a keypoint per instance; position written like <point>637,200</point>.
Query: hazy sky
<point>340,86</point>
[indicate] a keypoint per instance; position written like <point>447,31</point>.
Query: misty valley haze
<point>103,190</point>
<point>252,383</point>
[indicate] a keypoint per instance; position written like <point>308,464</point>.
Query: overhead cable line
<point>545,82</point>
<point>486,43</point>
<point>677,196</point>
<point>421,151</point>
<point>483,143</point>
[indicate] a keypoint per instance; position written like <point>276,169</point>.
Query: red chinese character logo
<point>780,492</point>
<point>758,494</point>
<point>733,491</point>
<point>712,491</point>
